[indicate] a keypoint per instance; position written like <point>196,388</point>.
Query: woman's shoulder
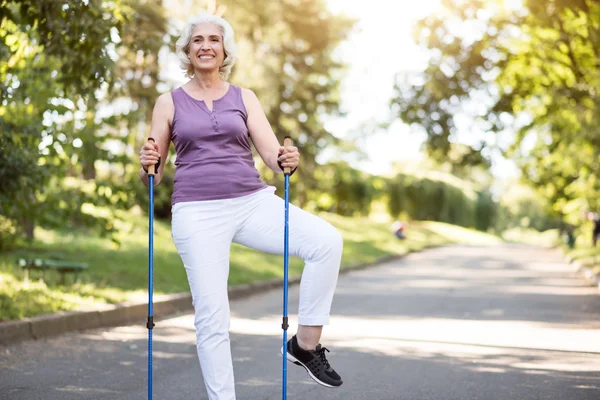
<point>248,96</point>
<point>243,90</point>
<point>165,99</point>
<point>236,88</point>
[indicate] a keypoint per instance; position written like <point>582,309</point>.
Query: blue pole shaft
<point>150,281</point>
<point>286,234</point>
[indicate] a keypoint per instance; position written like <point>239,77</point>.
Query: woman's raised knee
<point>330,242</point>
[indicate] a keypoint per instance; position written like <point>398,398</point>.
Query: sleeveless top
<point>214,158</point>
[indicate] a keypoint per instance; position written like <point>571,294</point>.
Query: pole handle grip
<point>151,168</point>
<point>287,141</point>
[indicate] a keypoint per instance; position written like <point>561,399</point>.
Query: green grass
<point>118,274</point>
<point>549,238</point>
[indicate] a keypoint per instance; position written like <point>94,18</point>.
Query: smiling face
<point>206,49</point>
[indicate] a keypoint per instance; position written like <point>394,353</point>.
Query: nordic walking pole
<point>287,141</point>
<point>150,323</point>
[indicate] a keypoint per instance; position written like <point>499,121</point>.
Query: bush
<point>434,199</point>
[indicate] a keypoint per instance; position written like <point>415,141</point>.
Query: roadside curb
<point>49,325</point>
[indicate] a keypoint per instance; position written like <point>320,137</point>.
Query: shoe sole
<point>294,360</point>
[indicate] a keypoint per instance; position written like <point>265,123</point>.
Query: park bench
<point>60,266</point>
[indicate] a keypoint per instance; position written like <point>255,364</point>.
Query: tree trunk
<point>29,229</point>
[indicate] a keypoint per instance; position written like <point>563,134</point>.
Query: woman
<point>219,198</point>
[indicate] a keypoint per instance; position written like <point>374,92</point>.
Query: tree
<point>532,70</point>
<point>59,59</point>
<point>47,52</point>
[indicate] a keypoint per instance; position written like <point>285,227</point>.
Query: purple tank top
<point>214,158</point>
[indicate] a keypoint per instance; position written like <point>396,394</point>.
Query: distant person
<point>596,231</point>
<point>219,199</point>
<point>398,228</point>
<point>569,231</point>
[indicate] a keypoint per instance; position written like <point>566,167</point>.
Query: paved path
<point>456,323</point>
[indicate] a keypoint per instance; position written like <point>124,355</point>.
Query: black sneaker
<point>314,362</point>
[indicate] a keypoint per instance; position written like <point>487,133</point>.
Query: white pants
<point>203,232</point>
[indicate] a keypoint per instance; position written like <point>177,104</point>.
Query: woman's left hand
<point>288,157</point>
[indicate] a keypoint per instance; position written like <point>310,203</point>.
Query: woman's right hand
<point>149,154</point>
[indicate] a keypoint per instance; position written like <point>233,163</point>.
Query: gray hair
<point>183,44</point>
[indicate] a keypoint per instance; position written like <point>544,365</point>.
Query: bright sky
<point>381,47</point>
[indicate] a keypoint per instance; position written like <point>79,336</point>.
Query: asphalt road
<point>455,323</point>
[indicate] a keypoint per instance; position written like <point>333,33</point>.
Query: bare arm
<point>264,138</point>
<point>160,131</point>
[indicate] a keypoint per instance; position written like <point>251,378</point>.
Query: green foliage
<point>486,210</point>
<point>78,33</point>
<point>532,70</point>
<point>342,190</point>
<point>435,198</point>
<point>59,61</point>
<point>522,207</point>
<point>21,177</point>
